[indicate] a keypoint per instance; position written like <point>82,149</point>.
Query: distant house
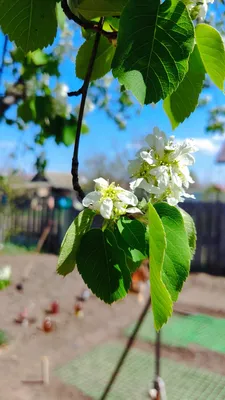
<point>220,159</point>
<point>52,187</point>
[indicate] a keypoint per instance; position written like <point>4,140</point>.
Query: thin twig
<point>4,50</point>
<point>126,350</point>
<point>76,92</point>
<point>86,24</point>
<point>84,90</point>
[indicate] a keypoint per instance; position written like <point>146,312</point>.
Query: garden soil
<point>20,360</point>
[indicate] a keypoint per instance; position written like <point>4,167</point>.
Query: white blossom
<point>5,273</point>
<point>201,7</point>
<point>61,90</point>
<point>162,168</point>
<point>111,201</point>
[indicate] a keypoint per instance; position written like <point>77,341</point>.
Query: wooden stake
<point>45,370</point>
<point>43,238</point>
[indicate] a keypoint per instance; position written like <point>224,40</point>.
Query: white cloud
<point>207,146</point>
<point>135,144</point>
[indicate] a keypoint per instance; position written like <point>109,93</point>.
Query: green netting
<point>91,372</point>
<point>182,331</point>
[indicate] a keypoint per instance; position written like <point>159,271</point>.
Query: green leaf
<point>85,129</point>
<point>31,24</point>
<point>102,265</point>
<point>103,59</point>
<point>60,16</point>
<point>181,103</point>
<point>211,49</point>
<point>4,284</point>
<point>68,135</point>
<point>44,107</point>
<point>18,55</point>
<point>69,247</point>
<point>134,234</point>
<point>190,230</point>
<point>176,265</point>
<point>114,22</point>
<point>154,45</point>
<point>87,33</point>
<point>26,111</point>
<point>90,9</point>
<point>162,304</point>
<point>69,130</point>
<point>133,256</point>
<point>39,58</point>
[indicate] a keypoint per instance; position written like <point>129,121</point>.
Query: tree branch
<point>12,96</point>
<point>3,57</point>
<point>76,92</point>
<point>86,24</point>
<point>84,91</point>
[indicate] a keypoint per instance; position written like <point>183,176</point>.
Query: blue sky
<point>105,137</point>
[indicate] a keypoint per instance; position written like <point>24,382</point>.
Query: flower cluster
<point>199,8</point>
<point>5,273</point>
<point>111,201</point>
<point>161,169</point>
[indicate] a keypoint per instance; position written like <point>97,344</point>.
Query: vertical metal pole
<point>157,363</point>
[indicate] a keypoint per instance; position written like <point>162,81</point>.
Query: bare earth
<point>21,360</point>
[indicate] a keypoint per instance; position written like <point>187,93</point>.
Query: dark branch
<point>4,50</point>
<point>76,92</point>
<point>12,96</point>
<point>86,24</point>
<point>84,91</point>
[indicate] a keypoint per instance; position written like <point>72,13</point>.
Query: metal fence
<point>27,225</point>
<point>210,224</point>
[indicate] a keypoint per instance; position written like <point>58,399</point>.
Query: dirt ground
<point>20,362</point>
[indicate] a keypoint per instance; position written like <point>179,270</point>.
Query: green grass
<point>13,249</point>
<point>90,373</point>
<point>184,331</point>
<point>3,338</point>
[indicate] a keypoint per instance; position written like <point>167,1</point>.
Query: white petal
<point>101,183</point>
<point>143,184</point>
<point>160,134</point>
<point>147,156</point>
<point>203,11</point>
<point>172,201</point>
<point>91,198</point>
<point>135,184</point>
<point>120,206</point>
<point>159,146</point>
<point>134,166</point>
<point>133,210</point>
<point>176,179</point>
<point>158,190</point>
<point>188,196</point>
<point>150,140</point>
<point>158,171</point>
<point>128,197</point>
<point>106,208</point>
<point>163,180</point>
